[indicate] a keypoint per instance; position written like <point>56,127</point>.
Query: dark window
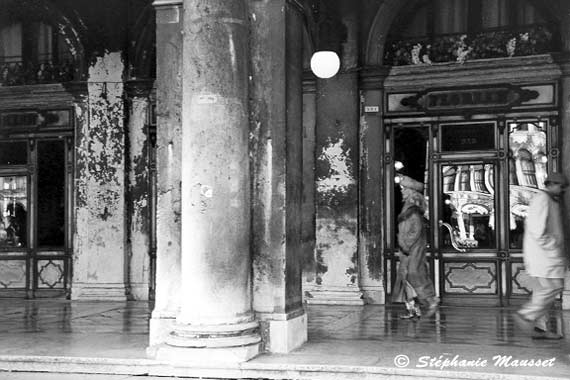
<point>51,193</point>
<point>14,153</point>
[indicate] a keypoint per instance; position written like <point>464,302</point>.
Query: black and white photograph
<point>284,189</point>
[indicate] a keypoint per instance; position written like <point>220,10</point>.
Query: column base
<point>373,295</point>
<point>160,326</point>
<point>206,345</point>
<point>566,299</point>
<point>334,296</point>
<point>139,292</point>
<point>98,292</point>
<point>283,333</point>
<point>203,357</point>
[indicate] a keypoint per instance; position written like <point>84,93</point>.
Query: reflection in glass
<point>527,172</point>
<point>468,207</point>
<point>13,202</point>
<point>410,159</point>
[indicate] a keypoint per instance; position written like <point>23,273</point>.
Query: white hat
<point>411,183</point>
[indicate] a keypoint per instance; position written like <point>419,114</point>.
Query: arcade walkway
<point>74,338</point>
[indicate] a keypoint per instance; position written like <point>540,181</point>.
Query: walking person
<point>544,256</point>
<point>413,285</point>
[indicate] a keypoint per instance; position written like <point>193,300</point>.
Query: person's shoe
<point>413,311</point>
<point>521,322</point>
<point>546,335</point>
<point>409,315</point>
<point>432,308</point>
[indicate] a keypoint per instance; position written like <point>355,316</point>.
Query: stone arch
<point>309,32</point>
<point>389,10</point>
<point>378,32</point>
<point>142,54</point>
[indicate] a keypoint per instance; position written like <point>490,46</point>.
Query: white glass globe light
<point>325,64</point>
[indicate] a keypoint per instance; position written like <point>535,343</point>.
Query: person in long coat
<point>544,256</point>
<point>413,281</point>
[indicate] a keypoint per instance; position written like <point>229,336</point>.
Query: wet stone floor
<point>352,336</point>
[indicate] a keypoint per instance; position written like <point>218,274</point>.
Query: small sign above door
<point>467,137</point>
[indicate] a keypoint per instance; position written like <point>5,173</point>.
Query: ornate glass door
<point>532,154</point>
<point>35,206</point>
<point>467,239</point>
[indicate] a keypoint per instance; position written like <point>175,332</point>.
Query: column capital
<point>139,88</point>
<point>563,60</point>
<point>309,83</point>
<point>78,90</point>
<point>373,77</point>
<point>164,3</point>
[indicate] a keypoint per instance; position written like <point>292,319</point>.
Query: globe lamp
<point>325,64</point>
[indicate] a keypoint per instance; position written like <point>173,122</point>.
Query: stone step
<point>42,367</point>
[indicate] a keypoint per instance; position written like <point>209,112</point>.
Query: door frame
<point>50,124</point>
<point>508,261</point>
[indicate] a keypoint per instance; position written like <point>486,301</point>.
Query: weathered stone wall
<point>276,148</point>
<point>99,239</point>
<point>337,186</point>
<point>138,196</point>
<point>169,158</point>
<point>308,204</point>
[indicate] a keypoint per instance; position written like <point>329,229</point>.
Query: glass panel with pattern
<point>14,206</point>
<point>528,163</point>
<point>468,207</point>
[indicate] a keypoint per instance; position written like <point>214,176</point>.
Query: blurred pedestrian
<point>413,284</point>
<point>544,256</point>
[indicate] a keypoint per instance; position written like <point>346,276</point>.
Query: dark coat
<point>413,267</point>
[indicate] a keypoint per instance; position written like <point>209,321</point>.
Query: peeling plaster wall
<point>339,179</point>
<point>138,200</point>
<point>336,184</point>
<point>336,229</point>
<point>99,246</point>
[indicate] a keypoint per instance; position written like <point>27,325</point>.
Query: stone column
<point>99,236</point>
<point>215,323</point>
<point>337,277</point>
<point>564,129</point>
<point>139,192</point>
<point>371,179</point>
<point>81,115</point>
<point>308,223</point>
<point>168,163</point>
<point>276,120</point>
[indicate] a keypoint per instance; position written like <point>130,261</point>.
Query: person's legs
<point>424,287</point>
<point>432,305</point>
<point>544,293</point>
<point>412,307</point>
